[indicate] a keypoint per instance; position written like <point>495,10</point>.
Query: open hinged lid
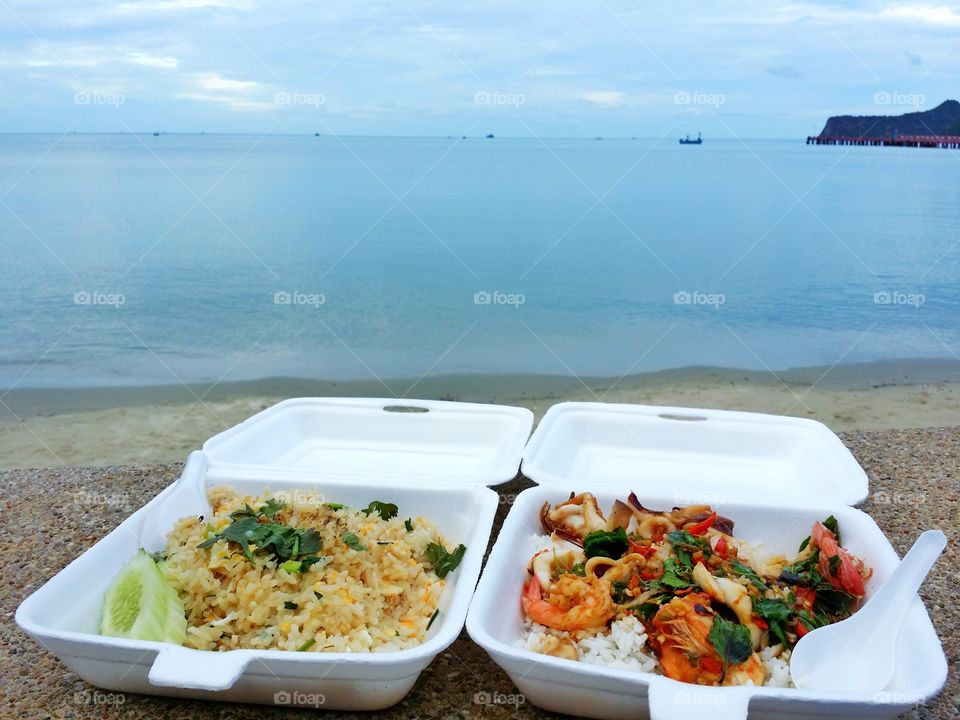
<point>369,438</point>
<point>698,454</point>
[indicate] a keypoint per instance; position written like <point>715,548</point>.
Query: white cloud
<point>140,58</point>
<point>604,97</point>
<point>230,101</point>
<point>216,81</point>
<point>942,15</point>
<point>165,5</point>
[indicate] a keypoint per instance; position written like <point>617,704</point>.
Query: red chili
<point>806,597</point>
<point>701,527</point>
<point>721,547</point>
<point>760,622</point>
<point>711,664</point>
<point>800,629</point>
<point>645,550</point>
<point>634,582</point>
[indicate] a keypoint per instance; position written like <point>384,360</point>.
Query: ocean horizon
<point>141,260</point>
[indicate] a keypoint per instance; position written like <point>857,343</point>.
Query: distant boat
<point>489,136</point>
<point>316,134</point>
<point>157,134</point>
<point>688,141</point>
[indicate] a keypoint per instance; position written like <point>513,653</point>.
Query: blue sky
<point>608,68</point>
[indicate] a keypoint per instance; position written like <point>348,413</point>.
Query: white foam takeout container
<point>774,476</point>
<point>433,459</point>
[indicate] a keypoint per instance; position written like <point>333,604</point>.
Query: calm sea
<point>150,260</point>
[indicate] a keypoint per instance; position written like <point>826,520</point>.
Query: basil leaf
<point>731,640</point>
<point>749,573</point>
<point>601,543</point>
<point>831,524</point>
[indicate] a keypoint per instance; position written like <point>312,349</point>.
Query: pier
<point>950,142</point>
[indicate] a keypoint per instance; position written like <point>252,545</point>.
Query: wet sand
<point>108,426</point>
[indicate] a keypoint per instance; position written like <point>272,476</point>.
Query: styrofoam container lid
<point>693,453</point>
<point>369,438</point>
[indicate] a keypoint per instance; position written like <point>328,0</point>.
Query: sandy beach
<point>110,426</point>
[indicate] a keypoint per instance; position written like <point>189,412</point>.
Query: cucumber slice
<point>175,629</point>
<point>139,604</point>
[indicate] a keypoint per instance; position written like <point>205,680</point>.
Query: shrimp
<point>849,574</point>
<point>576,603</point>
<point>733,595</point>
<point>577,517</point>
<point>681,636</point>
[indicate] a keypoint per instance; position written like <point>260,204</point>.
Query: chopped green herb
<point>433,617</point>
<point>281,542</point>
<point>352,541</point>
<point>290,605</point>
<point>803,545</point>
<point>731,640</point>
<point>307,645</point>
<point>749,573</point>
<point>384,542</point>
<point>271,507</point>
<point>319,595</point>
<point>674,576</point>
<point>408,525</point>
<point>444,562</point>
<point>601,543</point>
<point>834,564</point>
<point>335,506</point>
<point>831,524</point>
<point>685,544</point>
<point>776,613</point>
<point>384,510</point>
<point>619,593</point>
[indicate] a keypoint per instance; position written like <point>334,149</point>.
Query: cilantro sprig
<point>293,548</point>
<point>384,510</point>
<point>444,562</point>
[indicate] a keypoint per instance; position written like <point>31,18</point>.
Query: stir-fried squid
<point>708,605</point>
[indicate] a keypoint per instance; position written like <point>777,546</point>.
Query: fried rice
<point>377,599</point>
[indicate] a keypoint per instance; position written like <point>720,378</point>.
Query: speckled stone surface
<point>51,516</point>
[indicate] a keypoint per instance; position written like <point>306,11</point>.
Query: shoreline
<point>148,425</point>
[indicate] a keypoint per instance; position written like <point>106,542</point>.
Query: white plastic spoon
<point>858,653</point>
